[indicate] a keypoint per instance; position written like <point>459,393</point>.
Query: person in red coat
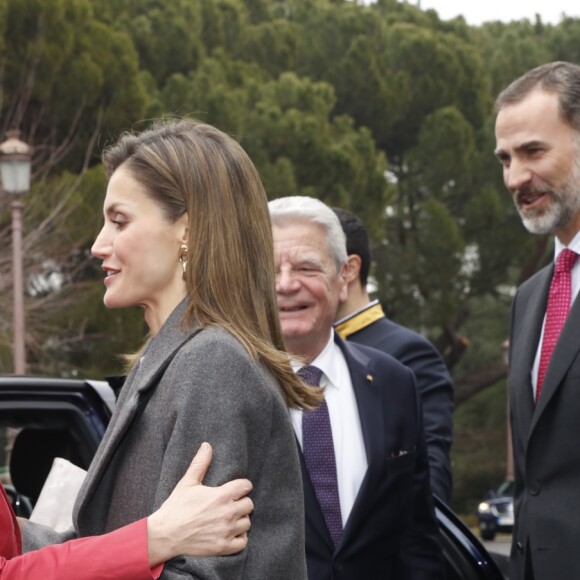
<point>194,520</point>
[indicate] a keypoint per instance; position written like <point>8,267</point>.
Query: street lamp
<point>15,164</point>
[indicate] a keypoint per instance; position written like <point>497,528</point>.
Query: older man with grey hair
<point>369,509</point>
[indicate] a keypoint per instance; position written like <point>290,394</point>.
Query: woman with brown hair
<point>187,237</point>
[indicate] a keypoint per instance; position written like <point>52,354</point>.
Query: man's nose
<point>286,281</point>
<point>516,176</point>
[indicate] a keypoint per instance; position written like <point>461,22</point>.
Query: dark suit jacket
<point>545,439</point>
<point>391,533</point>
<point>435,388</point>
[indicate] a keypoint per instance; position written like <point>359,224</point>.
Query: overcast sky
<point>477,11</point>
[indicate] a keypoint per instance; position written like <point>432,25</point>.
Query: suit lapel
<point>368,396</point>
<point>564,354</point>
<point>138,387</point>
<point>370,407</point>
<point>526,336</point>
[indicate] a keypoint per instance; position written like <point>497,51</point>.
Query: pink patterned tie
<point>556,311</point>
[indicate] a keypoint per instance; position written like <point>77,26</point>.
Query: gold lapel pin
<point>370,378</point>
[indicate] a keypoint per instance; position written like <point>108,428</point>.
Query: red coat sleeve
<point>10,543</point>
<point>119,555</point>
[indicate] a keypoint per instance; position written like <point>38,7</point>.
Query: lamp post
<point>510,454</point>
<point>15,164</point>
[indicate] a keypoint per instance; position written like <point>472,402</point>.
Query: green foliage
<point>485,331</point>
<point>443,158</point>
<point>319,93</point>
<point>223,22</point>
<point>563,40</point>
<point>422,280</point>
<point>479,451</point>
<point>512,49</point>
<point>439,248</point>
<point>287,127</point>
<point>165,33</point>
<point>291,119</point>
<point>66,75</point>
<point>272,45</point>
<point>383,109</point>
<point>439,70</point>
<point>217,92</point>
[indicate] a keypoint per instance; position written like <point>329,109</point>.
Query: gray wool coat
<point>210,391</point>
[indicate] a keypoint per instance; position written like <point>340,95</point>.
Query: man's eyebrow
<point>502,154</point>
<point>528,144</point>
<point>309,261</point>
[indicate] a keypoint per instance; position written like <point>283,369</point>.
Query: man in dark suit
<point>363,321</point>
<point>369,507</point>
<point>538,144</point>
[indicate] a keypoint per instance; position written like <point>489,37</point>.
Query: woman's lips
<point>110,275</point>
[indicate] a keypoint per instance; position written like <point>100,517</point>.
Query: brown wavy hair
<point>188,166</point>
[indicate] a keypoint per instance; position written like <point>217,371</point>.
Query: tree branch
<point>478,380</point>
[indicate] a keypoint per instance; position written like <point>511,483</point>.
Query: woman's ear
<point>182,225</point>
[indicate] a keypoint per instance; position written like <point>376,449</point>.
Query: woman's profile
<point>187,238</point>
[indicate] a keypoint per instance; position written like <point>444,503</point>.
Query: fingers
<point>238,488</point>
<point>198,466</point>
<point>236,545</point>
<point>243,508</point>
<point>238,542</point>
<point>243,526</point>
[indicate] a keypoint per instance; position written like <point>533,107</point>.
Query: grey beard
<point>565,206</point>
<point>550,221</point>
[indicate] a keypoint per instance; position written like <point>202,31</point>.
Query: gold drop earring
<point>183,259</point>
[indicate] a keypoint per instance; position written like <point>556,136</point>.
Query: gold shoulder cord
<point>360,321</point>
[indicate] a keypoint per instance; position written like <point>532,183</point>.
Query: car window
<point>21,504</point>
<point>506,489</point>
<point>7,437</point>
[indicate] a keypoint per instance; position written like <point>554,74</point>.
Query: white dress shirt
<point>349,449</point>
<point>574,245</point>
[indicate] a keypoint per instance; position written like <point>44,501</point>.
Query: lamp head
<point>15,164</point>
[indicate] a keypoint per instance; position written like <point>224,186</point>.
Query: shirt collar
<point>357,312</point>
<point>326,362</point>
<point>574,245</point>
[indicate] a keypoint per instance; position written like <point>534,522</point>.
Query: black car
<point>48,417</point>
<point>496,514</point>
